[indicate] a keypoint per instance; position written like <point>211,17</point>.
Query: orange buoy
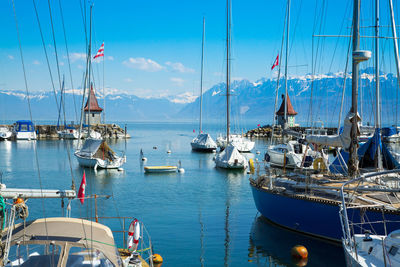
<point>299,252</point>
<point>157,258</point>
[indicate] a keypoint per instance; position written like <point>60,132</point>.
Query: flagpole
<point>104,95</point>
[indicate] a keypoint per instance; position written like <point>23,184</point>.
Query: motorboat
<point>95,153</point>
<point>24,130</point>
<point>5,133</point>
<point>68,133</point>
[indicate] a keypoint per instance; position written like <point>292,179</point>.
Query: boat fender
<point>267,157</point>
<point>157,258</point>
<point>133,235</point>
<point>251,164</point>
<point>319,164</point>
<point>181,170</point>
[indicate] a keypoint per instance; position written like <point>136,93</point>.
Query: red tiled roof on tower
<point>290,110</point>
<point>94,106</point>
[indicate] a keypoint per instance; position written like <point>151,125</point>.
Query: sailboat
<point>5,133</point>
<point>203,142</point>
<point>230,157</point>
<point>95,152</point>
<point>310,203</point>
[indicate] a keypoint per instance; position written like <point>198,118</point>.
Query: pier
<point>266,131</point>
<point>49,132</point>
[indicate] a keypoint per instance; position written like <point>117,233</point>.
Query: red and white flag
<point>100,53</point>
<point>276,63</point>
<point>81,192</point>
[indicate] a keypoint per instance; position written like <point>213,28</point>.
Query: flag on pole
<point>276,63</point>
<point>100,53</point>
<point>81,192</point>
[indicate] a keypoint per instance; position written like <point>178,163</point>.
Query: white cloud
<point>128,80</point>
<point>61,63</point>
<point>218,74</point>
<point>36,62</point>
<point>178,67</point>
<point>77,56</point>
<point>110,58</point>
<point>80,67</point>
<point>11,57</point>
<point>177,81</point>
<point>141,63</point>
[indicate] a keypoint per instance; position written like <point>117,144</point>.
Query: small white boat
<point>5,133</point>
<point>95,153</point>
<point>68,133</point>
<point>203,142</point>
<point>293,151</point>
<point>160,169</point>
<point>24,130</point>
<point>230,158</point>
<point>241,143</point>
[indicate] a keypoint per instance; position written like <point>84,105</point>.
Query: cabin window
<point>24,128</point>
<point>79,256</point>
<point>34,255</point>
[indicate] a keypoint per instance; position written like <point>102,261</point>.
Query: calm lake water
<point>203,217</point>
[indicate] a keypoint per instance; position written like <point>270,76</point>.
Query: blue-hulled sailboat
<point>309,203</point>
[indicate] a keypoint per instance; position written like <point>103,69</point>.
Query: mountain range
<point>249,101</point>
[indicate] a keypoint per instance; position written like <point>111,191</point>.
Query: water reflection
<point>270,245</point>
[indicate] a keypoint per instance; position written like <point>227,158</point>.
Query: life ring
<point>133,235</point>
<point>319,164</point>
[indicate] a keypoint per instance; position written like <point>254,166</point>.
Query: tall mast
<point>89,67</point>
<point>358,56</point>
<point>286,62</point>
<point>228,33</point>
<point>377,82</point>
<point>201,77</point>
<point>395,45</point>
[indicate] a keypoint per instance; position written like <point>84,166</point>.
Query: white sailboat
<point>230,157</point>
<point>95,152</point>
<point>5,133</point>
<point>203,142</point>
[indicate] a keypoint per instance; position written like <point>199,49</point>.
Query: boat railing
<point>350,226</point>
<point>145,248</point>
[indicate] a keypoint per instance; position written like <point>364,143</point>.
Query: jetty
<point>107,131</point>
<point>266,131</point>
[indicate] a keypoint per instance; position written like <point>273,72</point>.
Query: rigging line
<point>278,78</point>
<point>54,42</point>
<point>30,113</point>
<point>68,59</point>
<point>83,14</point>
<point>47,57</point>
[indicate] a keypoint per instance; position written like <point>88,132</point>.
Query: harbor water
<point>202,217</point>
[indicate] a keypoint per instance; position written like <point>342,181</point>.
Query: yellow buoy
<point>299,252</point>
<point>157,258</point>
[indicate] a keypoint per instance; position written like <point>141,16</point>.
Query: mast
<point>358,56</point>
<point>201,77</point>
<point>228,13</point>
<point>286,62</point>
<point>396,47</point>
<point>377,82</point>
<point>90,65</point>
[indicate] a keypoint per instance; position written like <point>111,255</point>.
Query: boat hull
<point>202,148</point>
<point>99,163</point>
<point>315,218</point>
<point>25,136</point>
<point>160,169</point>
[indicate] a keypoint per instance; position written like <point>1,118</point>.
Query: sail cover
<point>90,147</point>
<point>366,156</point>
<point>205,140</point>
<point>341,140</point>
<point>231,156</point>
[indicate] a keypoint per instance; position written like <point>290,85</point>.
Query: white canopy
<point>231,158</point>
<point>341,140</point>
<point>204,140</point>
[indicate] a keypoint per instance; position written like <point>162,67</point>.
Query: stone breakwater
<point>107,131</point>
<point>266,131</point>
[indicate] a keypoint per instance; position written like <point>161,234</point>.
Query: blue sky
<point>153,48</point>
